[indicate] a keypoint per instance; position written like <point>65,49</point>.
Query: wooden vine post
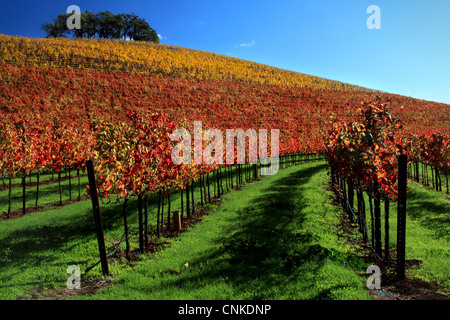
<point>97,217</point>
<point>141,224</point>
<point>176,221</point>
<point>351,198</point>
<point>401,215</point>
<point>377,214</point>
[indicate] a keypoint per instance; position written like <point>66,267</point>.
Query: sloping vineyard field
<point>64,101</point>
<point>51,77</point>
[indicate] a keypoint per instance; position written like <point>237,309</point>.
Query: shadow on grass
<point>433,214</point>
<point>29,245</point>
<point>266,248</point>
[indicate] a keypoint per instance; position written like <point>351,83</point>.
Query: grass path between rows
<point>277,238</point>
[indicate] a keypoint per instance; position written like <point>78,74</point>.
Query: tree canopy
<point>103,25</point>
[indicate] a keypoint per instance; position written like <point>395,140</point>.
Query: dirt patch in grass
<point>410,289</point>
<point>88,286</point>
<point>42,182</point>
<point>18,213</point>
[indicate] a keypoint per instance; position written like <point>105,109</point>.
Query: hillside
<point>151,59</point>
<point>109,109</point>
<point>102,78</point>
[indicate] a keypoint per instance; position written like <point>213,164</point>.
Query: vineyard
<point>66,104</point>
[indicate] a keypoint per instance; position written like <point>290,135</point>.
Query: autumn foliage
<point>64,101</point>
<point>365,152</point>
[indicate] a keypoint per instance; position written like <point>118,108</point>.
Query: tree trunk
<point>446,180</point>
<point>372,227</point>
<point>182,203</point>
<point>344,196</point>
<point>37,189</point>
<point>141,225</point>
<point>70,186</point>
<point>361,210</point>
<point>192,197</point>
<point>214,183</point>
<point>333,179</point>
<point>238,177</point>
<point>423,174</point>
<point>432,178</point>
<point>146,220</point>
<point>168,211</point>
<point>9,197</point>
<point>417,171</point>
<point>204,189</point>
<point>188,206</point>
<point>60,190</point>
<point>231,177</point>
<point>201,190</point>
<point>79,184</point>
<point>162,209</point>
<point>24,198</point>
<point>350,200</point>
<point>438,181</point>
<point>221,181</point>
<point>209,191</point>
<point>386,229</point>
<point>125,224</point>
<point>218,183</point>
<point>157,216</point>
<point>377,213</point>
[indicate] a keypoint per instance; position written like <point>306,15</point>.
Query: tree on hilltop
<point>102,25</point>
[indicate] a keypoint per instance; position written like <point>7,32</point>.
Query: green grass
<point>427,232</point>
<point>36,249</point>
<point>274,239</point>
<point>48,193</point>
<point>426,175</point>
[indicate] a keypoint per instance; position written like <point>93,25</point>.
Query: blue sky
<point>409,55</point>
